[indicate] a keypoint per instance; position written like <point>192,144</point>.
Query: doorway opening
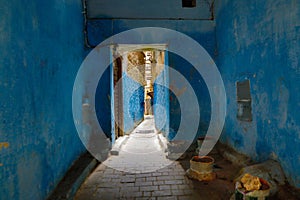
<point>139,81</point>
<point>149,94</point>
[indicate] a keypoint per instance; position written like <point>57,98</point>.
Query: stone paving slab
<point>108,183</point>
<point>140,171</point>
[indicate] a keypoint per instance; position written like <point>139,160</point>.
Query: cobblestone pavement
<point>107,183</point>
<point>142,171</point>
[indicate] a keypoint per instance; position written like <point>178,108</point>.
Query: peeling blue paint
<point>259,41</point>
<point>41,50</point>
<point>133,106</point>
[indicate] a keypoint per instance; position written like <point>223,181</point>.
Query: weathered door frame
<point>116,65</point>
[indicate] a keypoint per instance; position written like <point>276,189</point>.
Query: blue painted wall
<point>133,98</point>
<point>259,41</point>
<point>155,9</point>
<point>161,104</point>
<point>202,31</point>
<point>198,85</point>
<point>111,17</point>
<point>41,45</point>
<point>103,104</point>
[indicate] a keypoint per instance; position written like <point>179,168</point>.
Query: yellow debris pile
<point>251,186</point>
<point>250,182</point>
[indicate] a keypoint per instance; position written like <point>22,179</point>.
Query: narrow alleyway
<point>142,171</point>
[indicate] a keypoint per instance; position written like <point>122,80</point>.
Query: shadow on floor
<point>223,186</point>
